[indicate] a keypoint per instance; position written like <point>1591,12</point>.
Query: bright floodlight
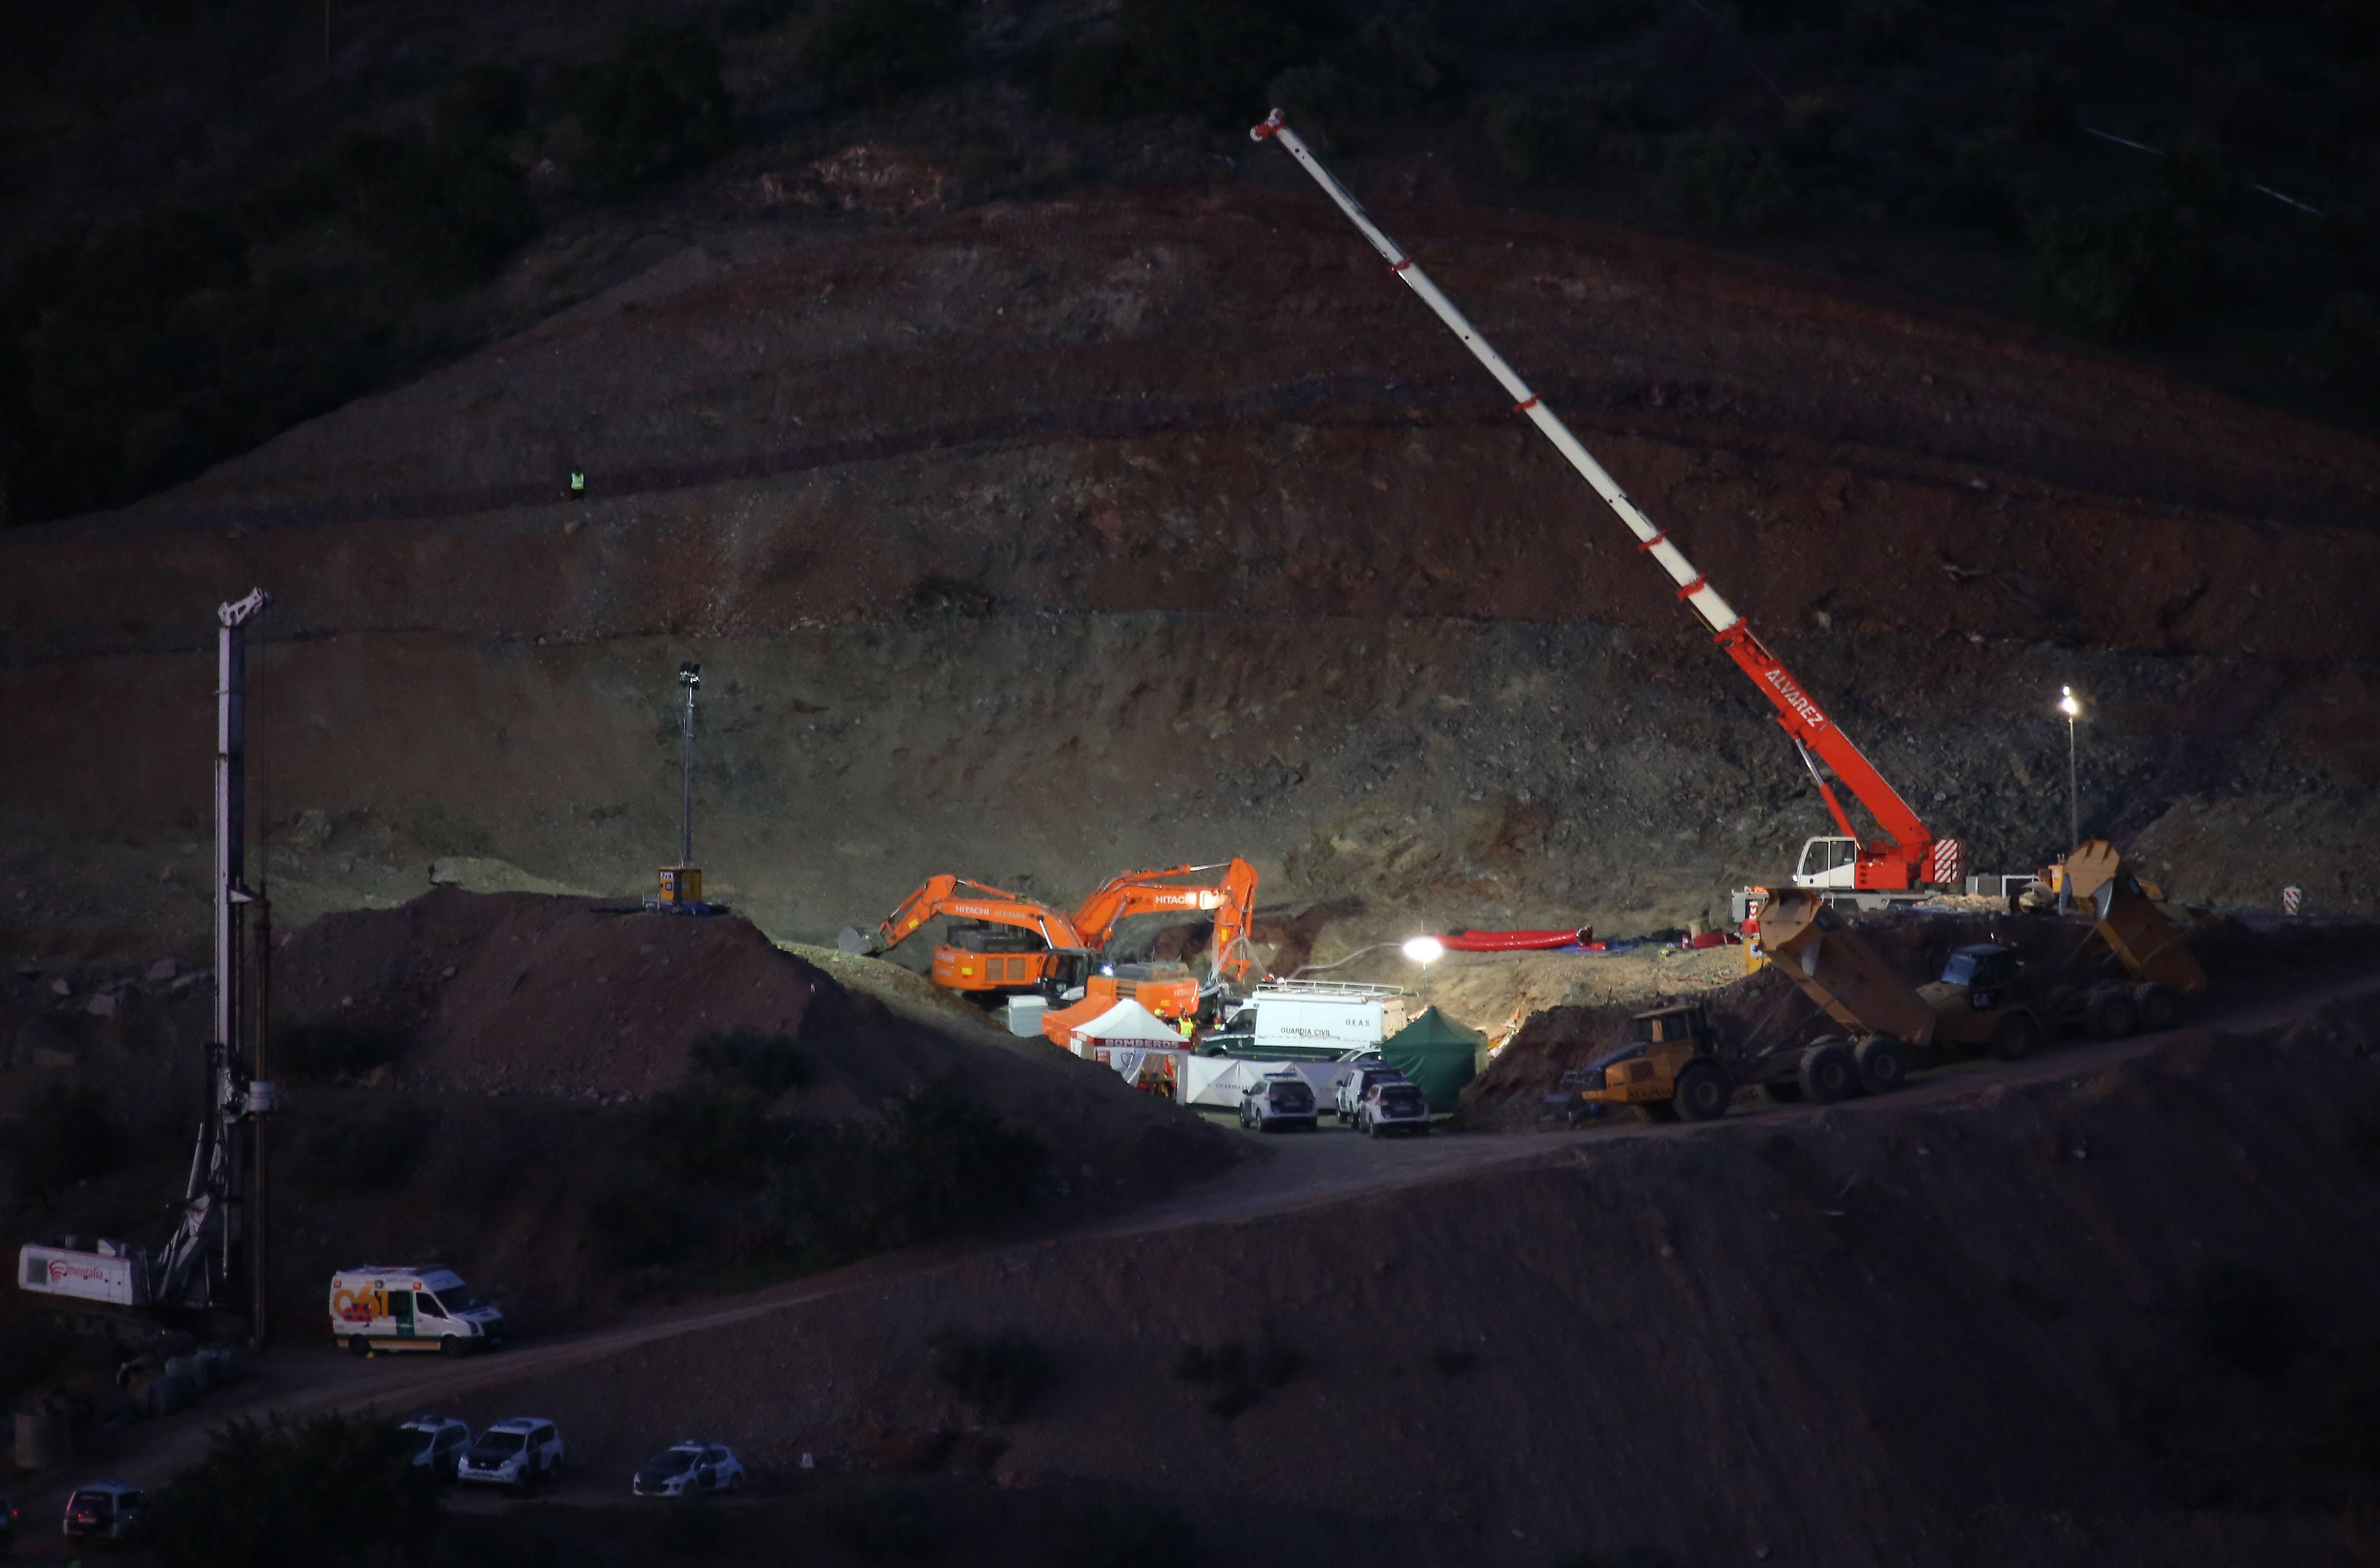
<point>2066,703</point>
<point>1425,950</point>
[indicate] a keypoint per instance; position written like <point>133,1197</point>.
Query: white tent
<point>1124,1023</point>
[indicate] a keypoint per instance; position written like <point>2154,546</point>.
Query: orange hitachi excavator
<point>1009,944</point>
<point>1169,990</point>
<point>1231,899</point>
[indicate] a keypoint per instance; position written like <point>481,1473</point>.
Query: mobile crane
<point>1848,868</point>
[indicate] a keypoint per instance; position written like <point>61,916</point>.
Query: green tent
<point>1437,1054</point>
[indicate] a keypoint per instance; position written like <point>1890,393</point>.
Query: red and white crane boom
<point>1907,853</point>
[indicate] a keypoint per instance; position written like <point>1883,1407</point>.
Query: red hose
<point>1516,941</point>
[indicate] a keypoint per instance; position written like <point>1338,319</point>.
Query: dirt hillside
<point>2116,1317</point>
<point>1039,541</point>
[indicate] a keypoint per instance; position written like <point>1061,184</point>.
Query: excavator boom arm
<point>1231,898</point>
<point>1802,717</point>
<point>975,901</point>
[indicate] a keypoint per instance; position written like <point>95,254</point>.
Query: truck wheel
<point>2015,1036</point>
<point>1828,1074</point>
<point>451,1345</point>
<point>2109,1014</point>
<point>1783,1091</point>
<point>1883,1066</point>
<point>2159,1006</point>
<point>1703,1092</point>
<point>358,1345</point>
<point>1656,1111</point>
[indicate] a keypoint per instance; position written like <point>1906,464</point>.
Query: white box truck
<point>375,1308</point>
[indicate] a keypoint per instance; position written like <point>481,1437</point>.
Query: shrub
<point>2125,271</point>
<point>279,1495</point>
<point>1879,31</point>
<point>358,1148</point>
<point>1582,23</point>
<point>998,1376</point>
<point>329,1048</point>
<point>942,1165</point>
<point>1233,1379</point>
<point>1714,177</point>
<point>2237,1313</point>
<point>868,51</point>
<point>638,1219</point>
<point>65,1134</point>
<point>961,1170</point>
<point>2362,1134</point>
<point>656,107</point>
<point>1549,137</point>
<point>704,1132</point>
<point>765,1064</point>
<point>137,354</point>
<point>491,100</point>
<point>2036,95</point>
<point>446,214</point>
<point>1124,1532</point>
<point>1207,57</point>
<point>2347,356</point>
<point>884,1522</point>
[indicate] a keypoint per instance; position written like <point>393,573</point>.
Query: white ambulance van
<point>375,1308</point>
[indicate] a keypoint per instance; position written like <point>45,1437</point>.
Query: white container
<point>1024,1016</point>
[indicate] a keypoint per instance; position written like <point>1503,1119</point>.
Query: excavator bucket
<point>2142,936</point>
<point>1810,943</point>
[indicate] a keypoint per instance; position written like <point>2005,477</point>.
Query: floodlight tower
<point>682,883</point>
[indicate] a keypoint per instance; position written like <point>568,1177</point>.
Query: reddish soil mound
<point>523,993</point>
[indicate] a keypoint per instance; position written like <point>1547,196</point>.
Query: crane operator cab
<point>1827,863</point>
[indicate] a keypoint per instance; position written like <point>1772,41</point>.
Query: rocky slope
<point>1043,540</point>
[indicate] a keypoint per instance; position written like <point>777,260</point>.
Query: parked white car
<point>1392,1105</point>
<point>689,1470</point>
<point>105,1511</point>
<point>1283,1100</point>
<point>439,1442</point>
<point>513,1454</point>
<point>1348,1089</point>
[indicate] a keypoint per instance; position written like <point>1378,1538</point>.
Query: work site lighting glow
<point>1425,950</point>
<point>2066,702</point>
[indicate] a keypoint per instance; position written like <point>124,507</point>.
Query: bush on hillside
<point>998,1376</point>
<point>868,51</point>
<point>1552,136</point>
<point>1211,58</point>
<point>65,1133</point>
<point>638,1219</point>
<point>136,354</point>
<point>1581,24</point>
<point>767,1065</point>
<point>446,214</point>
<point>655,108</point>
<point>2126,272</point>
<point>941,1166</point>
<point>332,1489</point>
<point>706,1132</point>
<point>1712,176</point>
